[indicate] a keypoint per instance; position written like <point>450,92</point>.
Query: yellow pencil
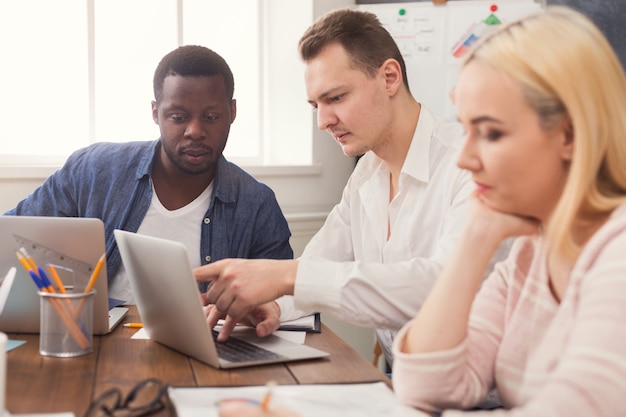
<point>28,259</point>
<point>62,290</point>
<point>24,262</point>
<point>268,395</point>
<point>92,281</point>
<point>56,278</point>
<point>96,272</point>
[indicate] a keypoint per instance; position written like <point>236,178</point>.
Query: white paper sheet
<point>324,400</point>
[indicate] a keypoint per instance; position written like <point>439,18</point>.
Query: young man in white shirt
<point>383,246</point>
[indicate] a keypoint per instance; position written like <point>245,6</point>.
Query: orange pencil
<point>57,279</point>
<point>96,272</point>
<point>268,395</point>
<point>92,281</point>
<point>28,259</point>
<point>61,287</point>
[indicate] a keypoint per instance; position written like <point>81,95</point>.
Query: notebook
<point>80,239</point>
<point>171,310</point>
<point>371,399</point>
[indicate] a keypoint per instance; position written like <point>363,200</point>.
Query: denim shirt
<point>112,182</point>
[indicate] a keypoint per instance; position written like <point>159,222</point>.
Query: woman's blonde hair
<point>569,74</point>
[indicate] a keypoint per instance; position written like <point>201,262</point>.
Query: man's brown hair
<point>362,36</point>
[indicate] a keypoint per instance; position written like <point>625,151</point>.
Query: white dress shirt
<point>352,271</point>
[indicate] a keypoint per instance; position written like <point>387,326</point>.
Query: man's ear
<point>155,112</point>
<point>393,75</point>
<point>233,110</point>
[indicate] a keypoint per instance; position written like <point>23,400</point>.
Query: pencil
<point>61,287</point>
<point>92,281</point>
<point>96,272</point>
<point>268,395</point>
<point>134,325</point>
<point>24,262</point>
<point>57,279</point>
<point>28,260</point>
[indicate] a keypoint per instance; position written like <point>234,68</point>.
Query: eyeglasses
<point>145,398</point>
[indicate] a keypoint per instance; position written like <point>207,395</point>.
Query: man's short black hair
<point>192,60</point>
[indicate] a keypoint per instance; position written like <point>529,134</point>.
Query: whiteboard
<point>426,34</point>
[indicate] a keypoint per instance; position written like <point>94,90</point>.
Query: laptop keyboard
<point>235,350</point>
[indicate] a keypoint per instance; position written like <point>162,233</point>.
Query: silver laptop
<point>170,308</point>
<point>65,242</point>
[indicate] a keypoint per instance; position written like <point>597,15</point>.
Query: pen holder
<point>66,328</point>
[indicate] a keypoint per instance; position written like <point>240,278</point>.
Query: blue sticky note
<point>12,344</point>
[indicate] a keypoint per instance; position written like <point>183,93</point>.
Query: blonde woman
<point>543,102</point>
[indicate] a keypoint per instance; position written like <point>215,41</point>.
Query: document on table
<point>325,400</point>
<point>310,323</point>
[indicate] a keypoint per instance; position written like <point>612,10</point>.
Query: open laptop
<point>169,304</point>
<point>81,240</point>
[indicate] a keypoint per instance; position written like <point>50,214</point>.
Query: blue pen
<point>45,280</point>
<point>36,278</point>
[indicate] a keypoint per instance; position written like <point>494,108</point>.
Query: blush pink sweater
<point>545,358</point>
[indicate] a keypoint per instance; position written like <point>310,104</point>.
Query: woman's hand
<point>497,225</point>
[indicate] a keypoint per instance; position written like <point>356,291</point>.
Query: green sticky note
<point>492,20</point>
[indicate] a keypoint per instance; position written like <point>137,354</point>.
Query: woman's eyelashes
<point>491,134</point>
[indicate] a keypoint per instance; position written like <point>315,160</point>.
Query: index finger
<point>209,272</point>
<point>227,328</point>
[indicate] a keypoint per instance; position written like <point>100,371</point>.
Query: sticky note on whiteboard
<point>473,33</point>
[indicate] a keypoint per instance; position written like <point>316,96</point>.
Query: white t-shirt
<point>181,225</point>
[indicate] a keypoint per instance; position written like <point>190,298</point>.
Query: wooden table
<point>39,384</point>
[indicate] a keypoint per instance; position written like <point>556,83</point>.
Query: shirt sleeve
<point>586,377</point>
<point>56,195</point>
<point>462,376</point>
<point>288,310</point>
